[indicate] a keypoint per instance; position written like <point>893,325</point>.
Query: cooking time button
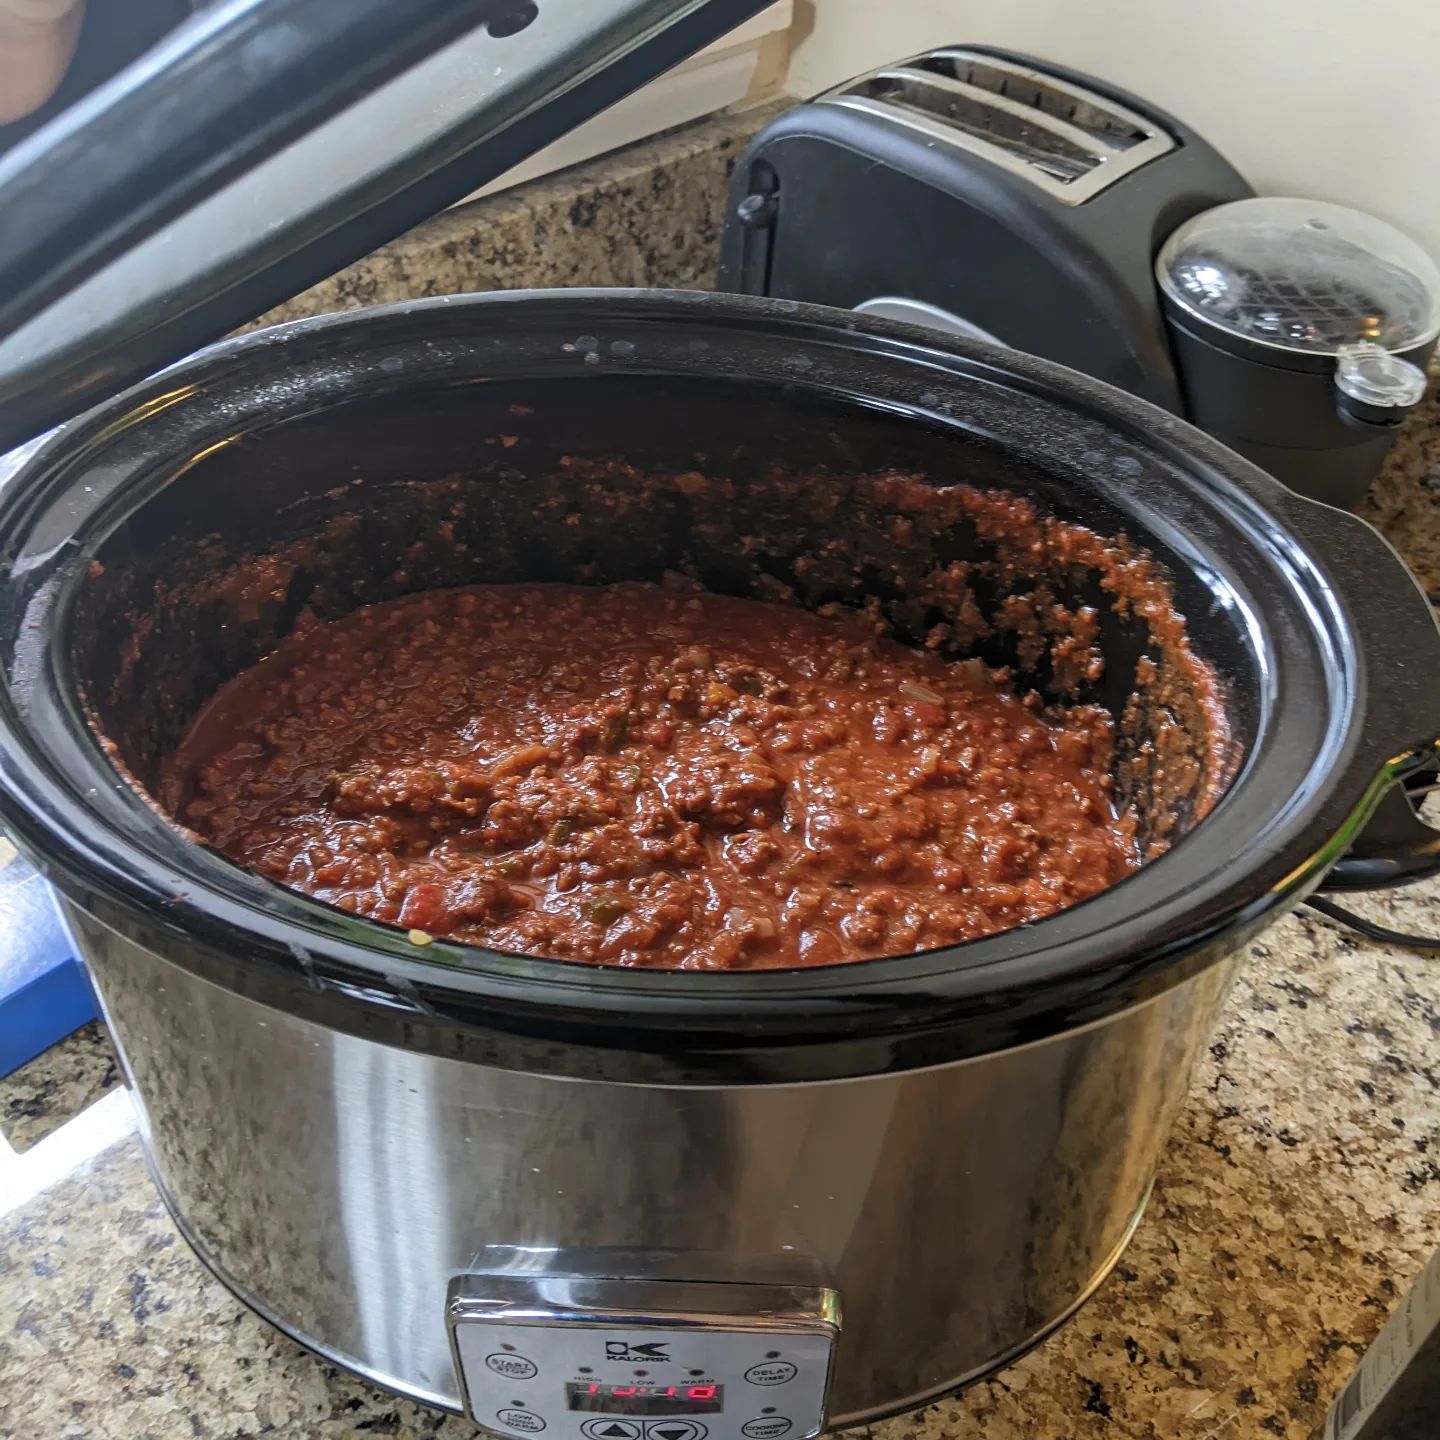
<point>770,1372</point>
<point>766,1427</point>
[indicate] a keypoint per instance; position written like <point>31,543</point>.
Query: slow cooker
<point>894,1175</point>
<point>644,1205</point>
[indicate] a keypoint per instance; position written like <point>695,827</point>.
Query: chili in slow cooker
<point>651,776</point>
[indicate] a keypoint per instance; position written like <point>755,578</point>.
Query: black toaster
<point>984,192</point>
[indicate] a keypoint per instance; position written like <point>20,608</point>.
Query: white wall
<point>1334,99</point>
<point>741,67</point>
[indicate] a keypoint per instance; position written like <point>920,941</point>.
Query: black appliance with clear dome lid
<point>999,196</point>
<point>1301,332</point>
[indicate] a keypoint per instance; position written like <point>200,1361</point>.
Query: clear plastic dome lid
<point>1301,275</point>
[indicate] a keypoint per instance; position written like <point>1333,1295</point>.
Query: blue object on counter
<point>44,991</point>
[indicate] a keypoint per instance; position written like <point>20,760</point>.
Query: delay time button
<point>770,1372</point>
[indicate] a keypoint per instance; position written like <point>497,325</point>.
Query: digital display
<point>645,1399</point>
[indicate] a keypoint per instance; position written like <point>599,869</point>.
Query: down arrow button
<point>674,1430</point>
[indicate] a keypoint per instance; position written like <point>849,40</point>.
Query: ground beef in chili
<point>641,775</point>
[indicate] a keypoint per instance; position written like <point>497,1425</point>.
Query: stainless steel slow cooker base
<point>443,1402</point>
<point>338,1186</point>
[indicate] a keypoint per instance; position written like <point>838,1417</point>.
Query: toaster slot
<point>1110,126</point>
<point>1066,140</point>
<point>987,117</point>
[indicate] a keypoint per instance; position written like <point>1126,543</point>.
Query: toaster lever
<point>756,214</point>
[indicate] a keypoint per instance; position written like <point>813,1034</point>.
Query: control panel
<point>593,1358</point>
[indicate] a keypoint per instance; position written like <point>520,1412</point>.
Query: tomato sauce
<point>651,776</point>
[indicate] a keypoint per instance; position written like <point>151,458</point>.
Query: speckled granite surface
<point>649,215</point>
<point>41,1096</point>
<point>1298,1197</point>
<point>1404,501</point>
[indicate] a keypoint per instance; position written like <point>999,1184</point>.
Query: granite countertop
<point>1297,1199</point>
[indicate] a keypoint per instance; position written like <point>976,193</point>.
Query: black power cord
<point>1368,928</point>
<point>1417,786</point>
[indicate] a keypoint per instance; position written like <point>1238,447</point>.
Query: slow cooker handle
<point>1394,846</point>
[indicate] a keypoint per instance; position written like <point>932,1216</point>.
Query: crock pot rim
<point>771,1008</point>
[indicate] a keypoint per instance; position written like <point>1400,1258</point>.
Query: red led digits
<point>674,1400</point>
